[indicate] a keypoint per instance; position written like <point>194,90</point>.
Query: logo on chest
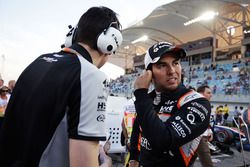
<point>168,106</point>
<point>166,109</point>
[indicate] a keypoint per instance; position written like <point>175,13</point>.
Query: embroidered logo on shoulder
<point>57,55</point>
<point>49,59</point>
<point>188,97</point>
<point>191,97</point>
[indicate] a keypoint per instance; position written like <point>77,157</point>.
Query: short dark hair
<point>93,22</point>
<point>202,88</point>
<point>190,87</point>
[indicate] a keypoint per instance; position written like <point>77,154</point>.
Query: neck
<point>94,54</point>
<point>169,91</point>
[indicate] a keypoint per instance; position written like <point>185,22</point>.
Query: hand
<point>144,80</point>
<point>210,137</point>
<point>104,159</point>
<point>106,146</point>
<point>128,145</point>
<point>133,163</point>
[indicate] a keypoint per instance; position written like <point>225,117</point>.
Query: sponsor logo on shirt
<point>200,106</point>
<point>183,123</point>
<point>196,111</point>
<point>191,97</point>
<point>178,128</point>
<point>49,59</point>
<point>57,55</point>
<point>191,118</point>
<point>105,88</point>
<point>170,102</point>
<point>101,106</point>
<point>145,143</point>
<point>188,97</point>
<point>166,109</point>
<point>101,118</point>
<point>102,98</point>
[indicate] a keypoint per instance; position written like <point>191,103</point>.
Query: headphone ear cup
<point>74,35</point>
<point>70,37</point>
<point>109,40</point>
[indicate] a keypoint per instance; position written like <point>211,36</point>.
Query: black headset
<point>107,41</point>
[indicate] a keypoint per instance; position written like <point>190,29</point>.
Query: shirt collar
<point>82,51</point>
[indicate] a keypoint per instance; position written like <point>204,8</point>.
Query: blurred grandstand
<point>226,78</point>
<point>218,49</point>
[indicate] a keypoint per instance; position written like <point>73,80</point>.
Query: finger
<point>101,150</point>
<point>146,75</point>
<point>149,73</point>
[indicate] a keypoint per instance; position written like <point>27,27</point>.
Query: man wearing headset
<point>170,132</point>
<point>56,114</point>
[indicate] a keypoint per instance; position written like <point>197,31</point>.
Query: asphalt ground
<point>219,160</point>
<point>226,160</point>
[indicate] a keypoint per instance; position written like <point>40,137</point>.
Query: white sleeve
<point>93,103</point>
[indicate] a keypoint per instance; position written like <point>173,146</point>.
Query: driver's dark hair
<point>93,22</point>
<point>202,88</point>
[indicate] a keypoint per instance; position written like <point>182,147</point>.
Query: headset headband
<point>107,41</point>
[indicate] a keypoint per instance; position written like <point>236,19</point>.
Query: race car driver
<point>170,135</point>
